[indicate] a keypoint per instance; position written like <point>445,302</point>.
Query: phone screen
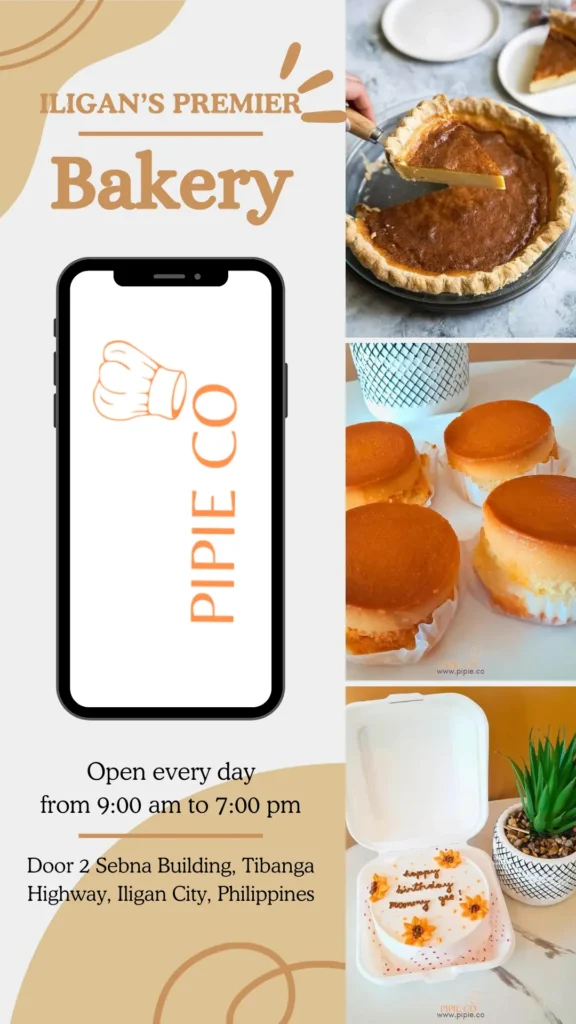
<point>171,583</point>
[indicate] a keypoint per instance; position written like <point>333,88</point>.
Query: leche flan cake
<point>526,555</point>
<point>497,441</point>
<point>432,906</point>
<point>382,464</point>
<point>402,563</point>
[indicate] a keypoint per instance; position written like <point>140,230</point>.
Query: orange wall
<point>481,352</point>
<point>511,712</point>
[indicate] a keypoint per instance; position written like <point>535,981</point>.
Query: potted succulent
<point>534,847</point>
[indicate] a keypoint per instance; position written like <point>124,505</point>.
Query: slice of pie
<point>433,145</point>
<point>473,240</point>
<point>557,61</point>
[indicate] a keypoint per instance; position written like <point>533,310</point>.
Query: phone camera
<point>197,277</point>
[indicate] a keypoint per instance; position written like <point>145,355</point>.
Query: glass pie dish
<point>370,180</point>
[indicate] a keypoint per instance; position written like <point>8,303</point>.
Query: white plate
<point>440,30</point>
<point>515,66</point>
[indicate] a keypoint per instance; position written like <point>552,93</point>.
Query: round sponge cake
<point>382,464</point>
<point>497,441</point>
<point>527,546</point>
<point>402,563</point>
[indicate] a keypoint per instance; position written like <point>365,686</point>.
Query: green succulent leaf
<point>542,815</point>
<point>518,773</point>
<point>561,825</point>
<point>547,783</point>
<point>565,796</point>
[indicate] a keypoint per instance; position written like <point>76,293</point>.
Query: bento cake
<point>430,904</point>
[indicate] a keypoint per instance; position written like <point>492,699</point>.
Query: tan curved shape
<point>289,970</point>
<point>282,970</point>
<point>225,947</point>
<point>28,48</point>
<point>223,963</point>
<point>31,43</point>
<point>45,44</point>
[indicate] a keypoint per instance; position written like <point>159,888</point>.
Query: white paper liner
<point>477,495</point>
<point>430,470</point>
<point>427,637</point>
<point>542,610</point>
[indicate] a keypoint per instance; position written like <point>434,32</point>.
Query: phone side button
<point>55,368</point>
<point>55,409</point>
<point>286,390</point>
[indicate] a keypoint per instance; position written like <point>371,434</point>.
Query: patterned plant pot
<point>404,381</point>
<point>534,880</point>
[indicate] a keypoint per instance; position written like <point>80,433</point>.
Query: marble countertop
<point>549,310</point>
<point>535,986</point>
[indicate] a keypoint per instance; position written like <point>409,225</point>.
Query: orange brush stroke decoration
<point>325,116</point>
<point>316,81</point>
<point>290,60</point>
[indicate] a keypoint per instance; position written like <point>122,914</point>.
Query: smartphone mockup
<point>170,406</point>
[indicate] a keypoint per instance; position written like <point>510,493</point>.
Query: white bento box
<point>417,779</point>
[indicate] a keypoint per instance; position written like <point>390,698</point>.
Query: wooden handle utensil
<point>363,127</point>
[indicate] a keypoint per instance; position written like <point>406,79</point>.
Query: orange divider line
<point>170,835</point>
<point>132,135</point>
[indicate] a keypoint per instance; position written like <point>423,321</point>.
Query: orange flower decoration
<point>418,931</point>
<point>448,859</point>
<point>379,888</point>
<point>474,907</point>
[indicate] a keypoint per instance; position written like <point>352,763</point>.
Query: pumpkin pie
<point>382,464</point>
<point>557,61</point>
<point>468,240</point>
<point>433,145</point>
<point>402,563</point>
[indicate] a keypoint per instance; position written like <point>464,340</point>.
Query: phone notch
<point>171,273</point>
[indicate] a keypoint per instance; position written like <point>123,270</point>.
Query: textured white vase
<point>406,381</point>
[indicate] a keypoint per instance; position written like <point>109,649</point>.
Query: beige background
<point>93,30</point>
<point>207,47</point>
<point>481,352</point>
<point>109,964</point>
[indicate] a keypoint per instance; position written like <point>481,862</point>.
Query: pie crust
<point>430,144</point>
<point>557,61</point>
<point>489,116</point>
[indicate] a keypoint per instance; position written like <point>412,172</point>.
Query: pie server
<point>363,128</point>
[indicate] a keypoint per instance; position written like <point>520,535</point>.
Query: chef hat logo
<point>131,384</point>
